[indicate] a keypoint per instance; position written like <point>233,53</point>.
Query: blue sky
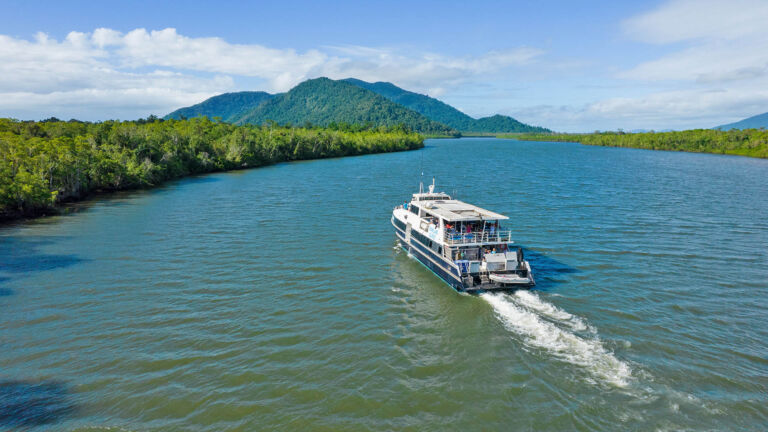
<point>570,66</point>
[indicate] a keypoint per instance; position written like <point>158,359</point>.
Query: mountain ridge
<point>226,105</point>
<point>754,122</point>
<point>323,101</point>
<point>440,111</point>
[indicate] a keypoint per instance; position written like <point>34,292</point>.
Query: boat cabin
<point>468,232</point>
<point>438,228</point>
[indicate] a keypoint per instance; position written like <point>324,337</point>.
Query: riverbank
<point>748,142</point>
<point>45,164</point>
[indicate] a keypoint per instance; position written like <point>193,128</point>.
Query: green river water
<point>277,299</point>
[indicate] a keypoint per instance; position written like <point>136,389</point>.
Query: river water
<point>276,298</point>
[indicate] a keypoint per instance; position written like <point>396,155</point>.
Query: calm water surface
<point>276,298</point>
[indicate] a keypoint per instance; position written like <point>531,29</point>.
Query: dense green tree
<point>228,106</point>
<point>441,112</point>
<point>324,102</point>
<point>45,163</point>
<point>747,142</point>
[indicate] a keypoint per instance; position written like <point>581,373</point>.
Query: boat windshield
<point>472,227</point>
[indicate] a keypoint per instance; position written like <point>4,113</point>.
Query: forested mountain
<point>502,123</point>
<point>323,101</point>
<point>228,106</point>
<point>425,105</point>
<point>754,122</point>
<point>444,113</point>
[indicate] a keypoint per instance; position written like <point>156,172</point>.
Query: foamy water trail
<point>534,302</point>
<point>540,333</point>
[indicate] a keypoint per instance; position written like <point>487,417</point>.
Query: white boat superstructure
<point>465,245</point>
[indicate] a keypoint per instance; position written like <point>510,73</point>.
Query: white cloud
<point>104,73</point>
<point>685,20</point>
<point>679,109</point>
<point>423,72</point>
<point>723,41</point>
<point>716,60</point>
<point>169,49</point>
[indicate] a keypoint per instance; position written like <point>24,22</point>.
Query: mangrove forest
<point>747,142</point>
<point>45,163</point>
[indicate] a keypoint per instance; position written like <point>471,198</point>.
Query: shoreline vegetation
<point>47,163</point>
<point>747,142</point>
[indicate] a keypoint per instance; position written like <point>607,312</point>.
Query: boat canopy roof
<point>458,211</point>
<point>430,196</point>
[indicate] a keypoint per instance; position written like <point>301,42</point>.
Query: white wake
<point>524,314</point>
<point>535,303</point>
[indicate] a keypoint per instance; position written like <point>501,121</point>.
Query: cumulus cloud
<point>723,41</point>
<point>716,60</point>
<point>685,20</point>
<point>678,109</point>
<point>426,72</point>
<point>107,73</point>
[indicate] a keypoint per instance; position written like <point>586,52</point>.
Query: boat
<point>464,245</point>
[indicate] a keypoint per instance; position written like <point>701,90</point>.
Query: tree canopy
<point>747,142</point>
<point>45,163</point>
<point>442,112</point>
<point>323,101</point>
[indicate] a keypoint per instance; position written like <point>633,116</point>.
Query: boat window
<point>421,238</point>
<point>399,224</point>
<point>414,209</point>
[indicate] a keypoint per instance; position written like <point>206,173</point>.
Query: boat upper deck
<point>452,210</point>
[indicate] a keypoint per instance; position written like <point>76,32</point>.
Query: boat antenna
<point>432,186</point>
<point>421,180</point>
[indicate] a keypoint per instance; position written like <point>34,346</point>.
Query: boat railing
<point>486,236</point>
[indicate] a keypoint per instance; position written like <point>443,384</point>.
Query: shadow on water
<point>5,292</point>
<point>21,256</point>
<point>548,271</point>
<point>119,198</point>
<point>196,179</point>
<point>25,404</point>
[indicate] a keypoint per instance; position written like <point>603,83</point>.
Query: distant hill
<point>425,105</point>
<point>754,122</point>
<point>444,113</point>
<point>228,106</point>
<point>501,123</point>
<point>322,101</point>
